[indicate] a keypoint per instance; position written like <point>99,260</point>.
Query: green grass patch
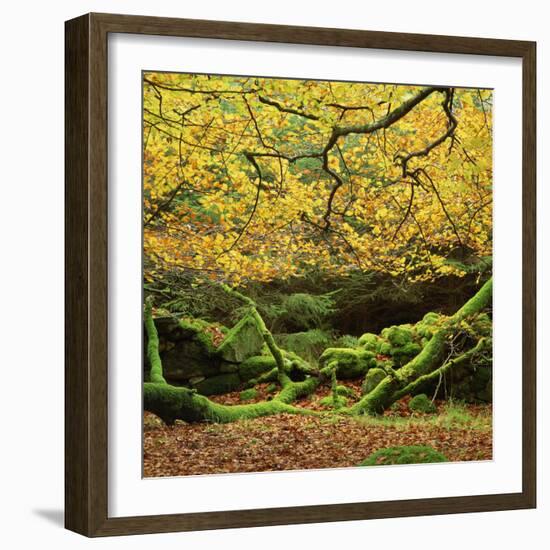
<point>406,454</point>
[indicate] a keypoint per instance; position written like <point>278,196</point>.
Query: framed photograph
<point>300,275</point>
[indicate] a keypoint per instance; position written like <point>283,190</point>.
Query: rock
<point>223,383</point>
<point>188,359</point>
<point>421,403</point>
<point>228,367</point>
<point>351,363</point>
<point>244,340</point>
<point>167,327</point>
<point>372,379</point>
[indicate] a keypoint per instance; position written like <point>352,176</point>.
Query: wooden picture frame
<point>86,284</point>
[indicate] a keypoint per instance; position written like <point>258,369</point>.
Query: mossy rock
<point>169,328</point>
<point>428,325</point>
<point>295,364</point>
<point>187,360</point>
<point>328,401</point>
<point>195,329</point>
<point>372,379</point>
<point>308,344</point>
<point>422,403</point>
<point>244,340</point>
<point>398,336</point>
<point>228,367</point>
<point>344,391</point>
<point>371,342</point>
<point>407,454</point>
<point>215,385</point>
<point>249,394</point>
<point>191,352</point>
<point>272,388</point>
<point>350,363</point>
<point>402,355</point>
<point>253,367</point>
<point>471,383</point>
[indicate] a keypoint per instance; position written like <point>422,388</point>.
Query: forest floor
<point>292,442</point>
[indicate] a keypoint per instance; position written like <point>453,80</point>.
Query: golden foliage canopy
<point>258,178</point>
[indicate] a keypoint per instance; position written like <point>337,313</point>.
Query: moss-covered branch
<point>433,352</point>
<point>393,386</point>
<point>171,403</point>
<point>153,356</point>
<point>294,390</point>
<point>267,336</point>
<point>448,365</point>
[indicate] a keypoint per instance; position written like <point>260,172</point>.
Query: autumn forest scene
<point>317,274</point>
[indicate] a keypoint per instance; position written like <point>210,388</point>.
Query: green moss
<point>481,299</point>
<point>253,367</point>
<point>402,355</point>
<point>171,403</point>
<point>431,318</point>
<point>422,403</point>
<point>398,342</point>
<point>272,388</point>
<point>385,348</point>
<point>308,345</point>
<point>427,360</point>
<point>398,336</point>
<point>344,391</point>
<point>295,364</point>
<point>156,374</point>
<point>194,329</point>
<point>215,385</point>
<point>450,369</point>
<point>378,399</point>
<point>244,340</point>
<point>413,454</point>
<point>269,376</point>
<point>331,402</point>
<point>372,379</point>
<point>429,324</point>
<point>294,390</point>
<point>248,395</point>
<point>350,363</point>
<point>371,342</point>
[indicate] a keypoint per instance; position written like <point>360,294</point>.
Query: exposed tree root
<point>171,403</point>
<point>427,378</point>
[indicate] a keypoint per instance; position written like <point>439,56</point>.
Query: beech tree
<point>253,179</point>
